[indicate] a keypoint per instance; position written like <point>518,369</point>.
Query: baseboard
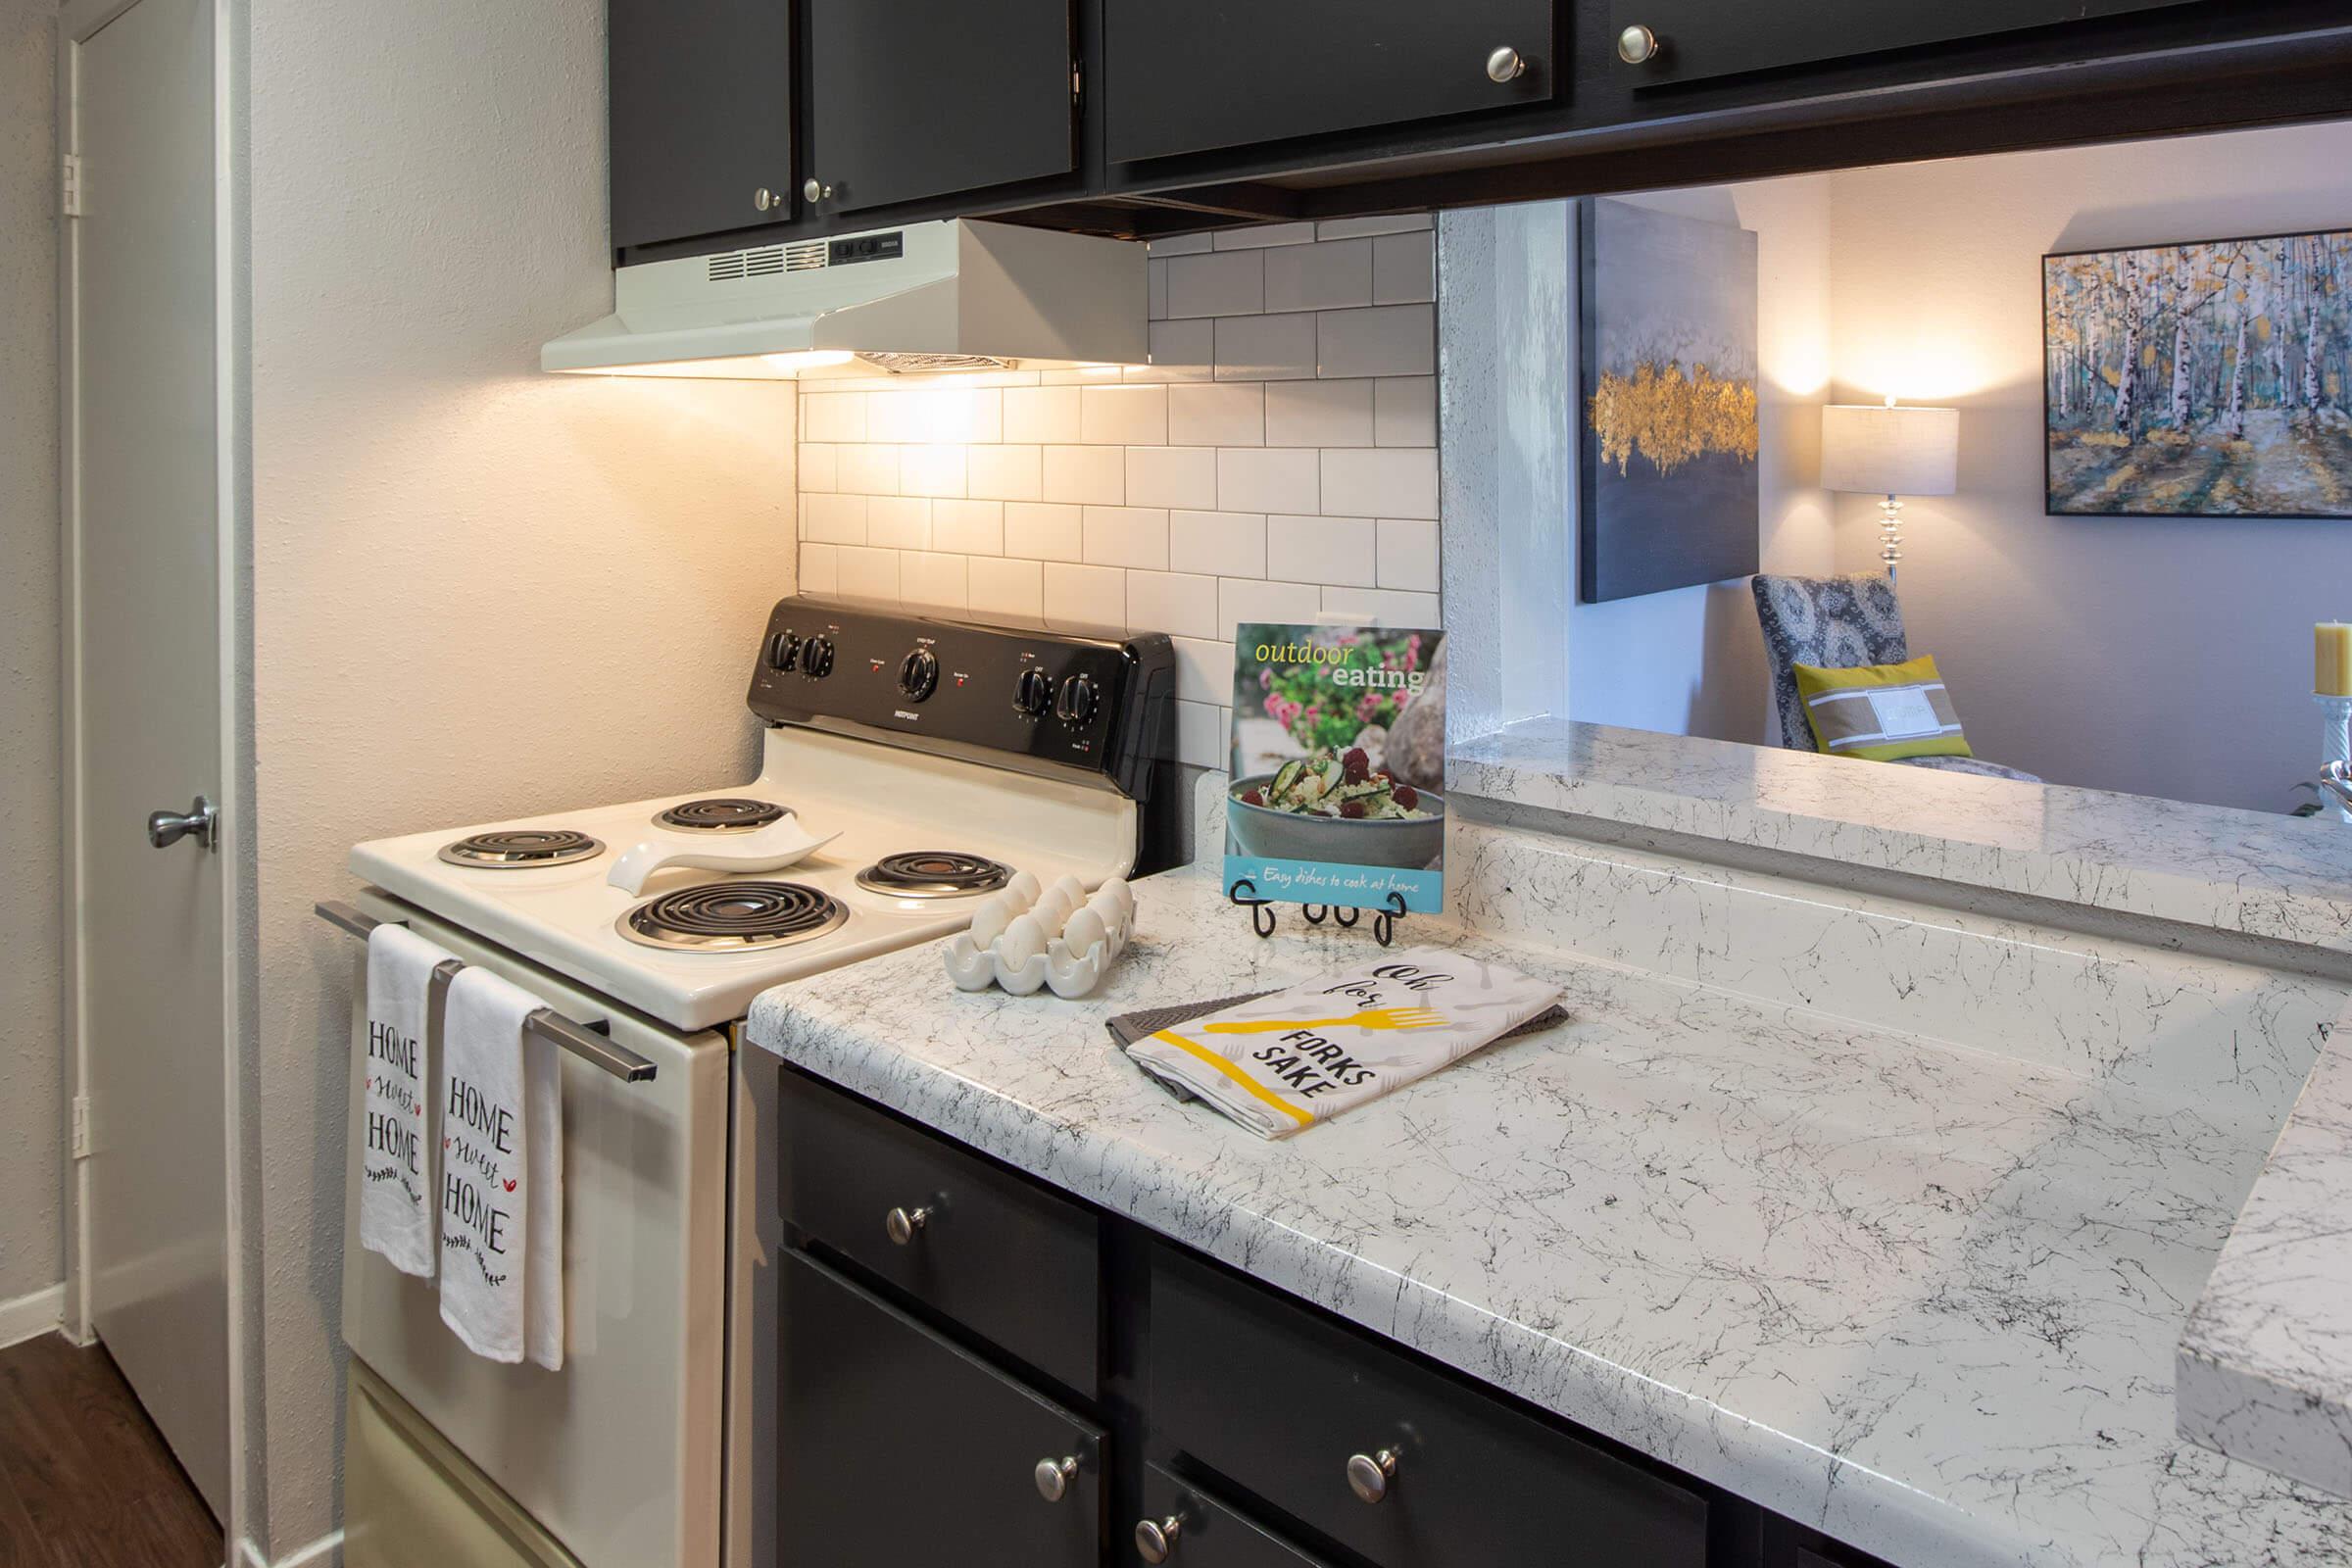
<point>29,1317</point>
<point>324,1552</point>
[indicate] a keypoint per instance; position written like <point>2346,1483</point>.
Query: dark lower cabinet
<point>701,117</point>
<point>1187,77</point>
<point>914,98</point>
<point>897,1447</point>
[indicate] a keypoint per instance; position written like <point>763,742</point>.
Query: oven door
<point>617,1456</point>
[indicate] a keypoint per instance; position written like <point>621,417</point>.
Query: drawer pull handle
<point>1156,1538</point>
<point>1054,1477</point>
<point>1370,1475</point>
<point>1506,63</point>
<point>1636,45</point>
<point>902,1225</point>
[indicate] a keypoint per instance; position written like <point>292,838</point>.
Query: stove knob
<point>1076,704</point>
<point>918,674</point>
<point>1035,693</point>
<point>816,658</point>
<point>782,649</point>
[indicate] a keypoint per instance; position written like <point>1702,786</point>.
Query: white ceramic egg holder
<point>1023,939</point>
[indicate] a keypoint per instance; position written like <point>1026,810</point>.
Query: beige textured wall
<point>478,591</point>
<point>31,1051</point>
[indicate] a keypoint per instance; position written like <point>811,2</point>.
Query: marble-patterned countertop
<point>1925,1299</point>
<point>2276,876</point>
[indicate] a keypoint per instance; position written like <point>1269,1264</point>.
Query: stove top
<point>934,875</point>
<point>720,813</point>
<point>736,915</point>
<point>521,849</point>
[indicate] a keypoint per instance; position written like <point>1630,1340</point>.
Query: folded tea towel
<point>1285,1060</point>
<point>501,1115</point>
<point>396,1162</point>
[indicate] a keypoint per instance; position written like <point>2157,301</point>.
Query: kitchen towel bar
<point>582,1040</point>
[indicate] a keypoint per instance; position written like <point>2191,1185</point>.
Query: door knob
<point>901,1224</point>
<point>814,189</point>
<point>1054,1477</point>
<point>1506,63</point>
<point>1369,1474</point>
<point>1156,1538</point>
<point>203,819</point>
<point>1636,45</point>
<point>764,199</point>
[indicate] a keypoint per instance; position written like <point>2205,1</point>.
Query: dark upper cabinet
<point>918,98</point>
<point>701,105</point>
<point>1694,40</point>
<point>1188,78</point>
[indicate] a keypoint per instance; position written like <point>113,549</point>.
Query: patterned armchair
<point>1838,624</point>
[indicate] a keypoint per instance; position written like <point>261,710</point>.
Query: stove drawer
<point>998,1252</point>
<point>1301,1412</point>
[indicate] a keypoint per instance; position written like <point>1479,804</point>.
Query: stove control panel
<point>1024,698</point>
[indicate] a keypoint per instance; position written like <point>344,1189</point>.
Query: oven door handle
<point>589,1042</point>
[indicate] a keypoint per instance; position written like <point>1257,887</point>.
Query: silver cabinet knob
<point>1506,63</point>
<point>1156,1538</point>
<point>901,1224</point>
<point>1636,45</point>
<point>814,189</point>
<point>1054,1477</point>
<point>1370,1475</point>
<point>766,200</point>
<point>203,819</point>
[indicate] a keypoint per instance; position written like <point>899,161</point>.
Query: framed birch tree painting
<point>2200,380</point>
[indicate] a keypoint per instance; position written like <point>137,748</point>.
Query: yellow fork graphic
<point>1373,1018</point>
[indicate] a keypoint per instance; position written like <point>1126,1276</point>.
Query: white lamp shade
<point>1889,451</point>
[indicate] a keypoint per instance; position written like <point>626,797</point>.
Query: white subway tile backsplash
<point>1223,544</point>
<point>1201,736</point>
<point>1384,481</point>
<point>1409,553</point>
<point>1385,340</point>
<point>1319,414</point>
<point>932,581</point>
<point>1003,473</point>
<point>833,520</point>
<point>1404,412</point>
<point>1404,269</point>
<point>1325,550</point>
<point>1313,277</point>
<point>1216,283</point>
<point>996,586</point>
<point>1084,596</point>
<point>867,470</point>
<point>1123,416</point>
<point>968,527</point>
<point>1177,604</point>
<point>1218,414</point>
<point>1046,532</point>
<point>1041,415</point>
<point>1203,668</point>
<point>1171,476</point>
<point>899,522</point>
<point>864,573</point>
<point>1276,460</point>
<point>1126,536</point>
<point>1268,479</point>
<point>1266,347</point>
<point>1085,474</point>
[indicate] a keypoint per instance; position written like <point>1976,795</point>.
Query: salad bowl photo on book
<point>1266,819</point>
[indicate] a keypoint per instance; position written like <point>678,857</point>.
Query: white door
<point>147,716</point>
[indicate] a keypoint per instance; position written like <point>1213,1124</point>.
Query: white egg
<point>1070,888</point>
<point>1053,911</point>
<point>990,919</point>
<point>1023,941</point>
<point>1083,930</point>
<point>1023,888</point>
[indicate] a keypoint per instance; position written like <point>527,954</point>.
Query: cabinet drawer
<point>1232,73</point>
<point>1284,1406</point>
<point>999,1253</point>
<point>1196,1531</point>
<point>894,1448</point>
<point>1698,39</point>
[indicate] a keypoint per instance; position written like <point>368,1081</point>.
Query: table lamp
<point>1890,451</point>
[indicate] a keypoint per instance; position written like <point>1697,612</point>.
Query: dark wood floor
<point>85,1481</point>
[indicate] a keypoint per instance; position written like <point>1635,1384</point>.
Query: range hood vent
<point>955,295</point>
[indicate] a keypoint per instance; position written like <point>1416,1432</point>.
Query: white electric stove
<point>912,766</point>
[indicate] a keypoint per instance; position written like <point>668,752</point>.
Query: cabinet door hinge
<point>69,186</point>
<point>81,1126</point>
<point>1074,81</point>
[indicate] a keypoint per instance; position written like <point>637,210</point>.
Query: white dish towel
<point>396,1160</point>
<point>501,1115</point>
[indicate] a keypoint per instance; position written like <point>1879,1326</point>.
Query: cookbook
<point>1338,766</point>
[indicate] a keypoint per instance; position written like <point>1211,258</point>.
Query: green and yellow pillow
<point>1884,713</point>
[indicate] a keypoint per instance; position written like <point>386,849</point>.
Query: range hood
<point>951,295</point>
